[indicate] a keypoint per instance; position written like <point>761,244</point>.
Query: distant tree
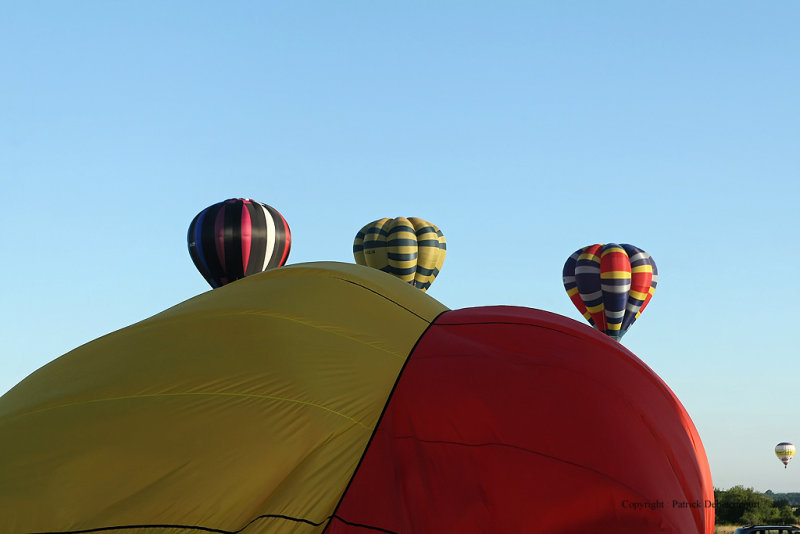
<point>793,497</point>
<point>744,505</point>
<point>761,513</point>
<point>786,516</point>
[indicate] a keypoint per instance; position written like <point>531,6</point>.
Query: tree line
<point>745,506</point>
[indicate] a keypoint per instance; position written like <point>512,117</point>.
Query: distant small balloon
<point>237,238</point>
<point>610,285</point>
<point>411,249</point>
<point>784,451</point>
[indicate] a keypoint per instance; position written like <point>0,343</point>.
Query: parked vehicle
<point>768,529</point>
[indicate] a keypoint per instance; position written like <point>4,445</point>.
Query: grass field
<point>725,529</point>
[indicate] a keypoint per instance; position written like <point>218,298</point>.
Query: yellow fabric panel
<point>375,253</point>
<point>253,399</point>
<point>358,246</point>
<point>442,249</point>
<point>402,248</point>
<point>431,258</point>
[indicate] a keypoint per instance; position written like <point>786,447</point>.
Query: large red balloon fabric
<point>510,419</point>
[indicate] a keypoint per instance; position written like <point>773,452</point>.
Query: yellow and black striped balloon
<point>411,249</point>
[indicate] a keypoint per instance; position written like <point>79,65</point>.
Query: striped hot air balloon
<point>411,249</point>
<point>610,285</point>
<point>784,451</point>
<point>237,238</point>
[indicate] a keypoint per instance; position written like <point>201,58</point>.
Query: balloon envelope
<point>509,419</point>
<point>411,249</point>
<point>329,397</point>
<point>244,409</point>
<point>610,285</point>
<point>784,451</point>
<point>237,238</point>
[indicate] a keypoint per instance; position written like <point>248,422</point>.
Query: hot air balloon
<point>409,248</point>
<point>610,285</point>
<point>328,397</point>
<point>237,238</point>
<point>784,451</point>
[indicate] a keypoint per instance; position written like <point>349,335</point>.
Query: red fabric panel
<point>514,420</point>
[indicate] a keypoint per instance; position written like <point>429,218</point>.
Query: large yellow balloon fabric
<point>244,409</point>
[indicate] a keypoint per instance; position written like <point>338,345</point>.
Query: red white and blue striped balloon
<point>237,238</point>
<point>610,285</point>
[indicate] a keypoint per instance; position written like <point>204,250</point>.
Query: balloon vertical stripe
<point>439,261</point>
<point>260,243</point>
<point>231,239</point>
<point>247,236</point>
<point>641,278</point>
<point>428,252</point>
<point>615,283</point>
<point>219,239</point>
<point>402,249</point>
<point>271,238</point>
<point>568,278</point>
<point>652,290</point>
<point>587,277</point>
<point>279,235</point>
<point>196,246</point>
<point>208,238</point>
<point>370,248</point>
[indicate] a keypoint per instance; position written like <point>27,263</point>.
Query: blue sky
<point>524,130</point>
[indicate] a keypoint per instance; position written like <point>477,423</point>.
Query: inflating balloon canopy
<point>331,398</point>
